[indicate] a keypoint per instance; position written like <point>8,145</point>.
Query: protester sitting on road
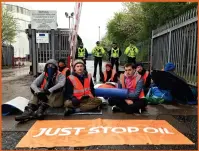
<point>145,76</point>
<point>47,92</point>
<point>109,75</point>
<point>134,102</point>
<point>62,67</point>
<point>170,67</point>
<point>79,91</point>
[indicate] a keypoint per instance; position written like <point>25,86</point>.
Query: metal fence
<point>58,47</point>
<point>176,42</point>
<point>7,55</point>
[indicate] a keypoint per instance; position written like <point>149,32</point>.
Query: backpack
<point>158,96</point>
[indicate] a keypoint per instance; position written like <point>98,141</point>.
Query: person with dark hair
<point>47,92</point>
<point>109,75</point>
<point>79,91</point>
<point>145,76</point>
<point>114,55</point>
<point>135,101</point>
<point>81,53</point>
<point>98,53</point>
<point>62,67</point>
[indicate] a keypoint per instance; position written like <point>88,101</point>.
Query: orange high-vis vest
<point>134,83</point>
<point>106,85</point>
<point>80,90</point>
<point>64,71</point>
<point>112,75</point>
<point>145,76</point>
<point>45,79</point>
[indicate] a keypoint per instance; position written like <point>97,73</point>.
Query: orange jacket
<point>145,76</point>
<point>112,75</point>
<point>80,90</point>
<point>45,79</point>
<point>106,85</point>
<point>134,83</point>
<point>64,71</point>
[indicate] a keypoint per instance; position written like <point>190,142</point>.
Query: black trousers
<point>129,109</point>
<point>98,60</point>
<point>115,61</point>
<point>132,60</point>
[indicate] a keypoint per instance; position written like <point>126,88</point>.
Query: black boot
<point>41,110</point>
<point>28,114</point>
<point>68,111</point>
<point>94,79</point>
<point>116,109</point>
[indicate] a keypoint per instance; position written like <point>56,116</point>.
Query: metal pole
<point>53,43</point>
<point>69,22</point>
<point>68,53</point>
<point>169,53</point>
<point>34,54</point>
<point>151,54</point>
<point>99,33</point>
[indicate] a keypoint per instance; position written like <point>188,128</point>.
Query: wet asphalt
<point>11,138</point>
<point>17,86</point>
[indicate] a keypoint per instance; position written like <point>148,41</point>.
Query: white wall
<point>22,15</point>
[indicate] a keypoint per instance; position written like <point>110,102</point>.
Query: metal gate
<point>177,42</point>
<point>57,48</point>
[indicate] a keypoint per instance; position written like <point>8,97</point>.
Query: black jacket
<point>148,79</point>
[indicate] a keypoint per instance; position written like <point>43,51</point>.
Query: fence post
<point>53,43</point>
<point>151,54</point>
<point>169,53</point>
<point>34,53</point>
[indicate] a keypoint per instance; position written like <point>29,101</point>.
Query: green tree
<point>134,24</point>
<point>9,26</point>
<point>106,44</point>
<point>159,13</point>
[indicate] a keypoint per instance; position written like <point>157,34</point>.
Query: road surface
<point>182,117</point>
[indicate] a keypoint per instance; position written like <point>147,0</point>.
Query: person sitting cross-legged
<point>79,91</point>
<point>47,92</point>
<point>135,100</point>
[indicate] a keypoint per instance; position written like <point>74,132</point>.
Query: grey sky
<point>94,14</point>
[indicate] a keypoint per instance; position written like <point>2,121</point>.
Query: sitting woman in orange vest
<point>47,92</point>
<point>79,91</point>
<point>135,102</point>
<point>145,76</point>
<point>62,67</point>
<point>109,74</point>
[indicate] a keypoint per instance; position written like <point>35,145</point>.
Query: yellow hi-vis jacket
<point>131,51</point>
<point>115,53</point>
<point>98,51</point>
<point>81,52</point>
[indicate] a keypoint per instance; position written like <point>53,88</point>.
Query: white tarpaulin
<point>18,103</point>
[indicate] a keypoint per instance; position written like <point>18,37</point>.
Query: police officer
<point>114,55</point>
<point>81,53</point>
<point>131,52</point>
<point>98,52</point>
